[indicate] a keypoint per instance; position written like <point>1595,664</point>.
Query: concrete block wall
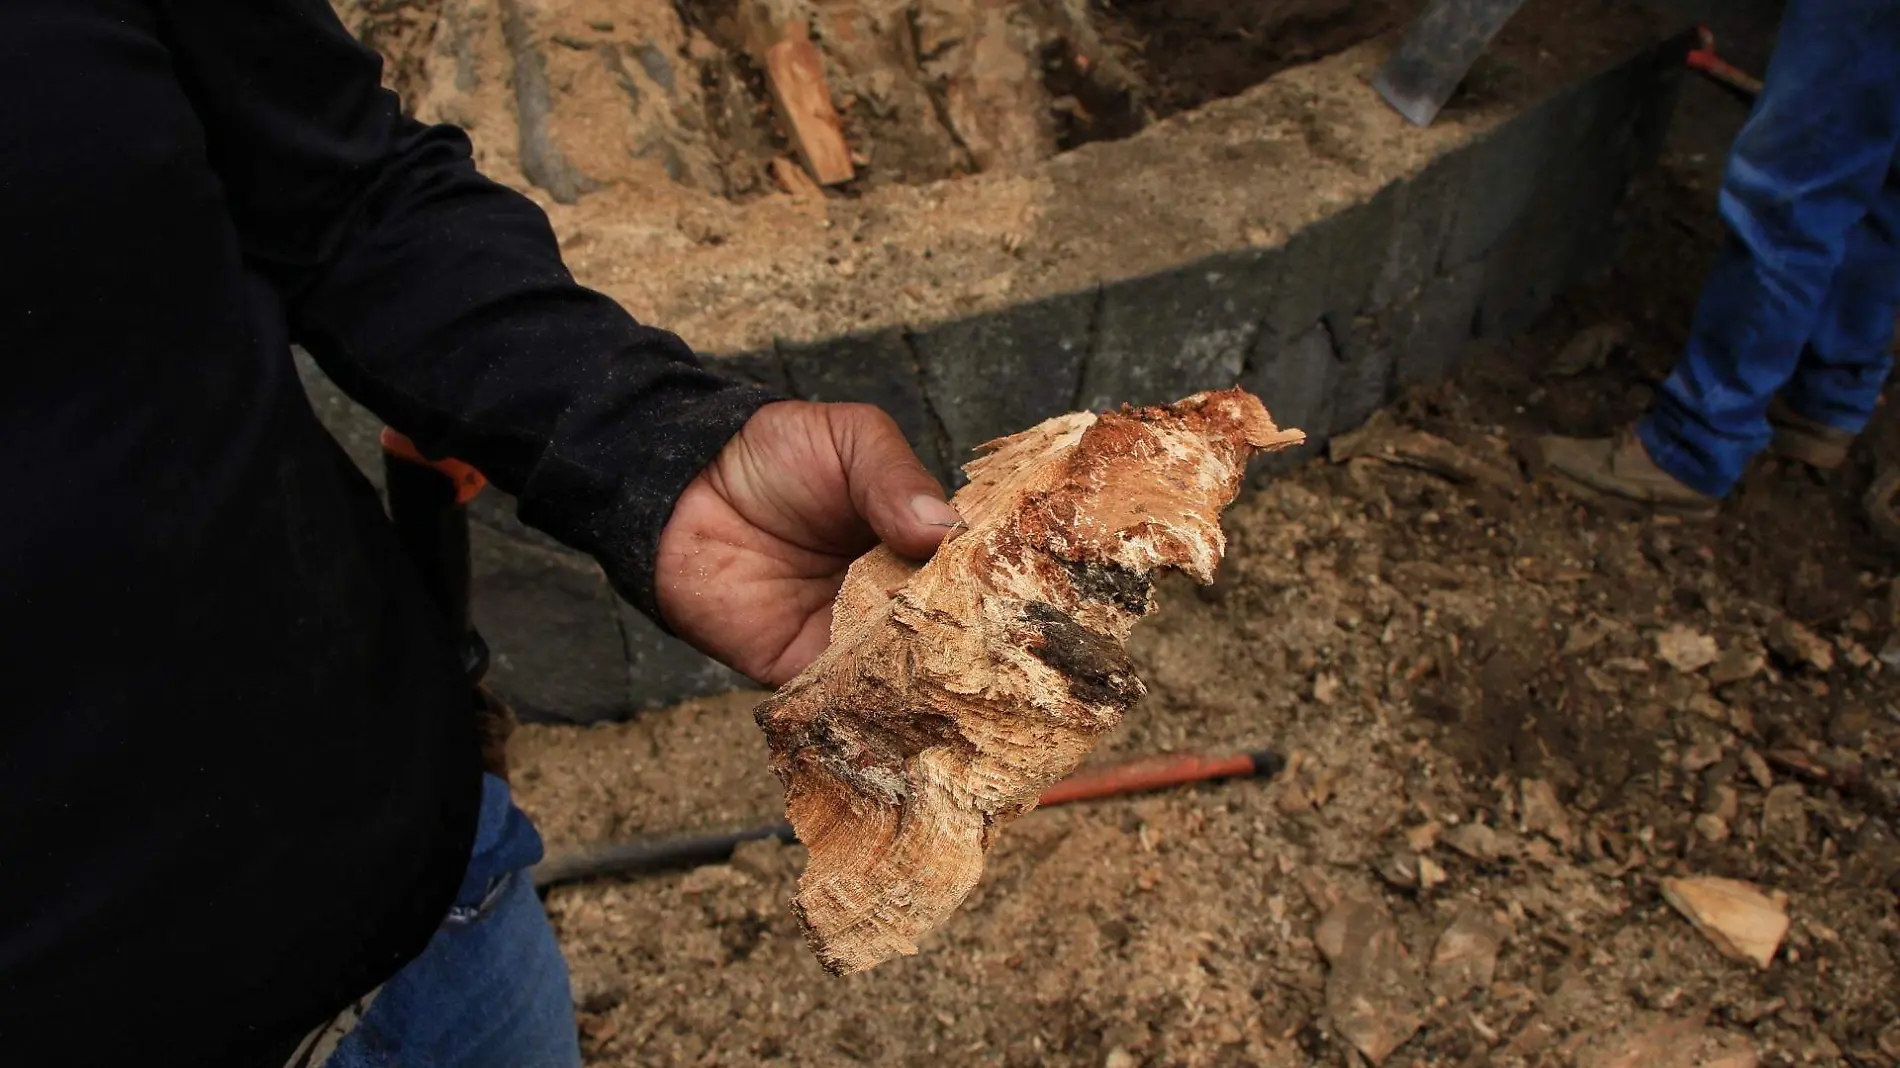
<point>1327,326</point>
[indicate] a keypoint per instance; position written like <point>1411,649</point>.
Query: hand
<point>758,544</point>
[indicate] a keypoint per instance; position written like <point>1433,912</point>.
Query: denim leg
<point>491,990</point>
<point>1850,352</point>
<point>1801,177</point>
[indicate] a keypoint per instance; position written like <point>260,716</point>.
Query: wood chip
<point>793,179</point>
<point>1465,957</point>
<point>1700,755</point>
<point>1798,646</point>
<point>1725,804</point>
<point>1736,664</point>
<point>1757,768</point>
<point>1686,650</point>
<point>1587,635</point>
<point>954,693</point>
<point>1399,869</point>
<point>1784,818</point>
<point>1373,991</point>
<point>1543,814</point>
<point>1711,827</point>
<point>1736,917</point>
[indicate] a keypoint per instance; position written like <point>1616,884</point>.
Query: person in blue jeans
<point>1791,342</point>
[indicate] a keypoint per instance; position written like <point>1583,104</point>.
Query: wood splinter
<point>955,693</point>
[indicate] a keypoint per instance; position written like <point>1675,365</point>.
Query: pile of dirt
<point>1525,732</point>
<point>572,97</point>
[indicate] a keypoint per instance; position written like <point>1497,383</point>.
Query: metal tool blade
<point>1437,52</point>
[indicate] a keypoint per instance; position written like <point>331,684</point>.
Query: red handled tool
<point>428,506</point>
<point>648,856</point>
<point>1704,61</point>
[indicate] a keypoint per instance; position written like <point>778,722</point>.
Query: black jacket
<point>237,773</point>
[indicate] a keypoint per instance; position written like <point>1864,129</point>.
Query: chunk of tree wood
<point>954,693</point>
<point>795,76</point>
<point>1736,917</point>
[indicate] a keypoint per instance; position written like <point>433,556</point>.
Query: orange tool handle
<point>1157,773</point>
<point>468,481</point>
<point>1704,59</point>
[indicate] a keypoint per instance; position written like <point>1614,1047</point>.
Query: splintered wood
<point>954,693</point>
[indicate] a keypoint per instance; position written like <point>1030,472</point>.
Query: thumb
<point>901,501</point>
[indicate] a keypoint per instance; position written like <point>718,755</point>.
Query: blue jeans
<point>1802,298</point>
<point>491,989</point>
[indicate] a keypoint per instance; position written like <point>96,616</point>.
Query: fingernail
<point>932,512</point>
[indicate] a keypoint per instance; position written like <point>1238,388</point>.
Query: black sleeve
<point>437,298</point>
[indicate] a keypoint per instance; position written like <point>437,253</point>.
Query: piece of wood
<point>795,76</point>
<point>793,179</point>
<point>952,695</point>
<point>1405,446</point>
<point>1373,990</point>
<point>1737,918</point>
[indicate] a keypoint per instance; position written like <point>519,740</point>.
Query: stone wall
<point>1326,322</point>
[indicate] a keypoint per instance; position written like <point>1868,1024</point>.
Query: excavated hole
<point>926,89</point>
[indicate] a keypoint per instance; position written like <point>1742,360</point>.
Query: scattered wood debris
<point>1383,439</point>
<point>1798,646</point>
<point>1465,957</point>
<point>1424,836</point>
<point>1685,649</point>
<point>1757,768</point>
<point>1736,917</point>
<point>1373,992</point>
<point>954,693</point>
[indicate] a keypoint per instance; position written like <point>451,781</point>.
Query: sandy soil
<point>1440,656</point>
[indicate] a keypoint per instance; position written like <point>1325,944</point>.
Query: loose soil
<point>1428,649</point>
<point>635,93</point>
<point>645,136</point>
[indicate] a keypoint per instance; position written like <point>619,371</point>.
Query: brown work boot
<point>1618,469</point>
<point>1807,440</point>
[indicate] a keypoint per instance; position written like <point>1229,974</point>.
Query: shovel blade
<point>1437,52</point>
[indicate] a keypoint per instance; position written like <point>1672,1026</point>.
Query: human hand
<point>758,544</point>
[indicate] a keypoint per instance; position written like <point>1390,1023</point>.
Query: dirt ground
<point>1440,656</point>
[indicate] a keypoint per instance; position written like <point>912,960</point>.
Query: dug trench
<point>574,98</point>
<point>1499,754</point>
